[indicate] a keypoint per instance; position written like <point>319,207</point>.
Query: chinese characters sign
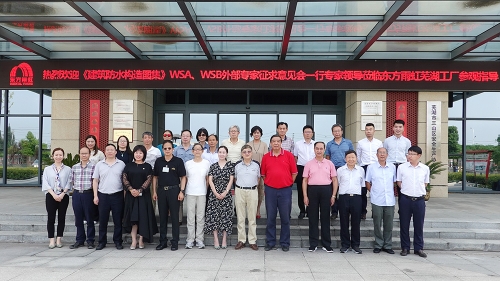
<point>433,131</point>
<point>95,107</point>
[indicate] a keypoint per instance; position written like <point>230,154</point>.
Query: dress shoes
<point>404,252</point>
<point>285,248</point>
<point>420,253</point>
<point>376,250</point>
<point>90,245</point>
<point>269,248</point>
<point>174,247</point>
<point>389,251</point>
<point>100,246</point>
<point>333,216</point>
<point>254,247</point>
<point>302,215</point>
<point>161,247</point>
<point>239,246</point>
<point>119,246</point>
<point>76,245</point>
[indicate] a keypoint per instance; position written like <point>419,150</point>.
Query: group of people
<point>331,178</point>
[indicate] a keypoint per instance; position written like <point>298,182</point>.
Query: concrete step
<point>295,241</point>
<point>444,233</point>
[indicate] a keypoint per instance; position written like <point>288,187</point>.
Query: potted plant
<point>435,168</point>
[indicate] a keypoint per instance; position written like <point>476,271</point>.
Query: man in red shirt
<point>279,171</point>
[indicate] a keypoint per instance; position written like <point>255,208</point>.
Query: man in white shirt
<point>412,178</point>
<point>351,178</point>
<point>397,145</point>
<point>233,144</point>
<point>380,179</point>
<point>303,152</point>
<point>152,151</point>
<point>367,154</point>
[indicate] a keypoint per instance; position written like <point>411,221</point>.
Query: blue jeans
<point>278,199</point>
<point>83,206</point>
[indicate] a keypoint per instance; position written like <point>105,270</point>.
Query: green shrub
<point>479,179</point>
<point>20,173</point>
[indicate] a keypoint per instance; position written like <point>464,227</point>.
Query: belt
<point>413,198</point>
<point>169,187</point>
<point>244,187</point>
<point>351,195</point>
<point>85,191</point>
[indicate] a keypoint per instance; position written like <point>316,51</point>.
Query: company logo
<point>26,75</point>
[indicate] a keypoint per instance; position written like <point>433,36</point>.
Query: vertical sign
<point>95,108</point>
<point>433,146</point>
<point>402,114</point>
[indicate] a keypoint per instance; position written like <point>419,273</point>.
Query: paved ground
<point>36,262</point>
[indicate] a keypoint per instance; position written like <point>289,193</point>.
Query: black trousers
<point>300,197</point>
<point>335,207</point>
<point>167,201</point>
<point>83,207</point>
<point>319,208</point>
<point>364,198</point>
<point>408,208</point>
<point>52,206</point>
<point>350,206</point>
<point>114,203</point>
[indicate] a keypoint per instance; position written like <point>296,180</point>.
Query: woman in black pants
<point>56,185</point>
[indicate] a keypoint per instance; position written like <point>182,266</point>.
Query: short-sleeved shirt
<point>278,170</point>
<point>336,152</point>
<point>304,151</point>
<point>151,155</point>
<point>172,175</point>
<point>413,179</point>
<point>319,172</point>
<point>351,181</point>
<point>286,143</point>
<point>211,157</point>
<point>247,175</point>
<point>234,150</point>
<point>397,148</point>
<point>382,180</point>
<point>196,173</point>
<point>367,151</point>
<point>82,177</point>
<point>109,176</point>
<point>184,154</point>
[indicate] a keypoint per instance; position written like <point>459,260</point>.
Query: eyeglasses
<point>234,131</point>
<point>166,135</point>
<point>202,135</point>
<point>167,148</point>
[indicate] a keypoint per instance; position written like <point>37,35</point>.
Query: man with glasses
<point>152,152</point>
<point>169,183</point>
<point>303,152</point>
<point>246,197</point>
<point>185,152</point>
<point>233,144</point>
<point>412,178</point>
<point>335,152</point>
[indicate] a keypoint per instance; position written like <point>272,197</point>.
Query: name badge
<point>165,169</point>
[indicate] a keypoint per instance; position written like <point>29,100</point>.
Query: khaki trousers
<point>195,205</point>
<point>246,201</point>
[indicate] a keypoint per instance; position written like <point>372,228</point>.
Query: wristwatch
<point>183,191</point>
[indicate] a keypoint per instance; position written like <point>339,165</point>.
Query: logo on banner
<point>21,75</point>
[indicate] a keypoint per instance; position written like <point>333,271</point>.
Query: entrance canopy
<point>233,30</point>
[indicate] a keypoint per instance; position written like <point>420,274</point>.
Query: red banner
<point>95,107</point>
<point>402,113</point>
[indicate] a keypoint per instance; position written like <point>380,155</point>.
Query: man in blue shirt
<point>335,152</point>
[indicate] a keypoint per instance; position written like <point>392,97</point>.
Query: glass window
<point>267,122</point>
<point>410,46</point>
<point>46,142</point>
<point>36,9</point>
<point>441,8</point>
<point>203,120</point>
<point>278,97</point>
<point>22,150</point>
<point>53,28</point>
<point>330,47</point>
<point>323,126</point>
<point>171,121</point>
<point>483,105</point>
<point>304,57</point>
<point>2,101</point>
<point>240,8</point>
<point>24,102</point>
<point>456,110</point>
<point>168,46</point>
<point>154,29</point>
<point>488,47</point>
<point>2,152</point>
<point>437,28</point>
<point>342,8</point>
<point>250,47</point>
<point>137,8</point>
<point>324,97</point>
<point>81,46</point>
<point>243,29</point>
<point>228,120</point>
<point>217,97</point>
<point>170,96</point>
<point>332,28</point>
<point>295,124</point>
<point>47,102</point>
<point>9,47</point>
